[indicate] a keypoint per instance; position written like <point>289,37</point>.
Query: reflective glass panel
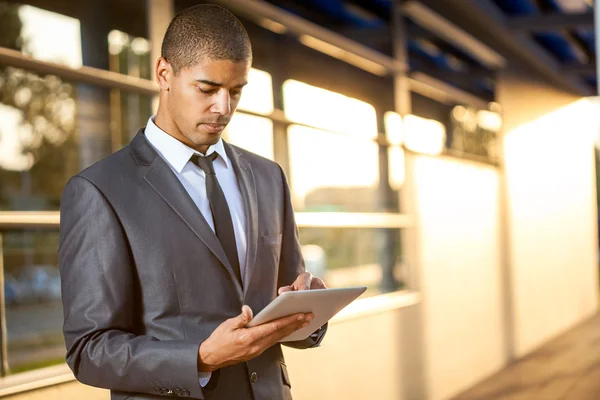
<point>34,314</point>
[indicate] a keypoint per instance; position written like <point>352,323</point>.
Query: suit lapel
<point>162,179</point>
<point>247,185</point>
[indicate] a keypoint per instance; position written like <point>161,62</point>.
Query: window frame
<point>10,220</point>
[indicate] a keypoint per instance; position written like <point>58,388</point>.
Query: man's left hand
<point>304,281</point>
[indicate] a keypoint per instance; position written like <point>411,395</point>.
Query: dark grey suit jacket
<point>145,280</point>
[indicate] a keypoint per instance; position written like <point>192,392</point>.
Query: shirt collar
<point>174,152</point>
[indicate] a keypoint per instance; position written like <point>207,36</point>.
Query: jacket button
<point>253,377</point>
<point>181,392</point>
<point>160,390</point>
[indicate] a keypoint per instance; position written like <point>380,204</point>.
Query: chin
<point>205,139</point>
<point>214,138</point>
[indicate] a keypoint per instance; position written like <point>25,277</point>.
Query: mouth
<point>214,128</point>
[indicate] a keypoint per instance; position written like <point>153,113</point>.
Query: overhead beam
<point>579,69</point>
<point>378,9</point>
<point>259,10</point>
<point>453,34</point>
<point>550,22</point>
<point>579,49</point>
<point>461,79</point>
<point>487,16</point>
<point>372,36</point>
<point>317,36</point>
<point>443,92</point>
<point>414,31</point>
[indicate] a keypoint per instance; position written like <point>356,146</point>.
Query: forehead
<point>224,71</point>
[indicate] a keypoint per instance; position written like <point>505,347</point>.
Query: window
<point>353,257</point>
<point>251,132</point>
<point>423,135</point>
<point>38,145</point>
<point>45,35</point>
<point>33,308</point>
<point>394,132</point>
<point>76,34</point>
<point>258,93</point>
<point>52,129</point>
<point>335,168</point>
<point>129,111</point>
<point>334,173</point>
<point>329,110</point>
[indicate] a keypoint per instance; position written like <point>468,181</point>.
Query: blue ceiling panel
<point>516,7</point>
<point>427,49</point>
<point>558,45</point>
<point>555,43</point>
<point>337,11</point>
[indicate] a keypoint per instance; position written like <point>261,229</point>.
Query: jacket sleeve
<point>291,263</point>
<point>98,283</point>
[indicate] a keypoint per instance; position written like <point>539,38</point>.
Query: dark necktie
<point>220,211</point>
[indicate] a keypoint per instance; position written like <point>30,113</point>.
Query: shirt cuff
<point>204,378</point>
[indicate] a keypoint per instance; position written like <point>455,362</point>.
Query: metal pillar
<point>93,102</point>
<point>159,14</point>
<point>389,200</point>
<point>412,328</point>
<point>3,334</point>
<point>597,29</point>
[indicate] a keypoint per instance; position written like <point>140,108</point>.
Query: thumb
<point>242,320</point>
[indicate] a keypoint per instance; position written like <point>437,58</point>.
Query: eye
<point>209,92</point>
<point>236,93</point>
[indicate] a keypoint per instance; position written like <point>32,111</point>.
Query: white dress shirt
<point>178,155</point>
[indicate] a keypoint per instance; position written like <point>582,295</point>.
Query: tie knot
<point>206,163</point>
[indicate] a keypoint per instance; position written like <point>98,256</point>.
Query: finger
<point>259,346</point>
<point>284,289</point>
<point>286,330</point>
<point>269,328</point>
<point>242,320</point>
<point>317,283</point>
<point>303,281</point>
<point>276,336</point>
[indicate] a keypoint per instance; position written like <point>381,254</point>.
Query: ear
<point>164,73</point>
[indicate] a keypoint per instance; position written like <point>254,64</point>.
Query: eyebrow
<point>216,84</point>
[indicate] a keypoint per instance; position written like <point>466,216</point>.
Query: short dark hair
<point>205,30</point>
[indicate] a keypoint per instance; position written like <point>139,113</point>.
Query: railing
<point>48,221</point>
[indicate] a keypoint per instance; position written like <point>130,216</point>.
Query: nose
<point>222,103</point>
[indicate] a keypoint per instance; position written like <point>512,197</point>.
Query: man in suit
<point>169,245</point>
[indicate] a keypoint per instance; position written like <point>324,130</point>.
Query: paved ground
<point>568,368</point>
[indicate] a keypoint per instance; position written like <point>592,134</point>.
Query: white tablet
<point>323,303</point>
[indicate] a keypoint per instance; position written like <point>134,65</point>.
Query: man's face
<point>203,98</point>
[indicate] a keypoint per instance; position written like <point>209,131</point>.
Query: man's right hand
<point>232,342</point>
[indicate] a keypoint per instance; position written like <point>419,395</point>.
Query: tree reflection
<point>44,134</point>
